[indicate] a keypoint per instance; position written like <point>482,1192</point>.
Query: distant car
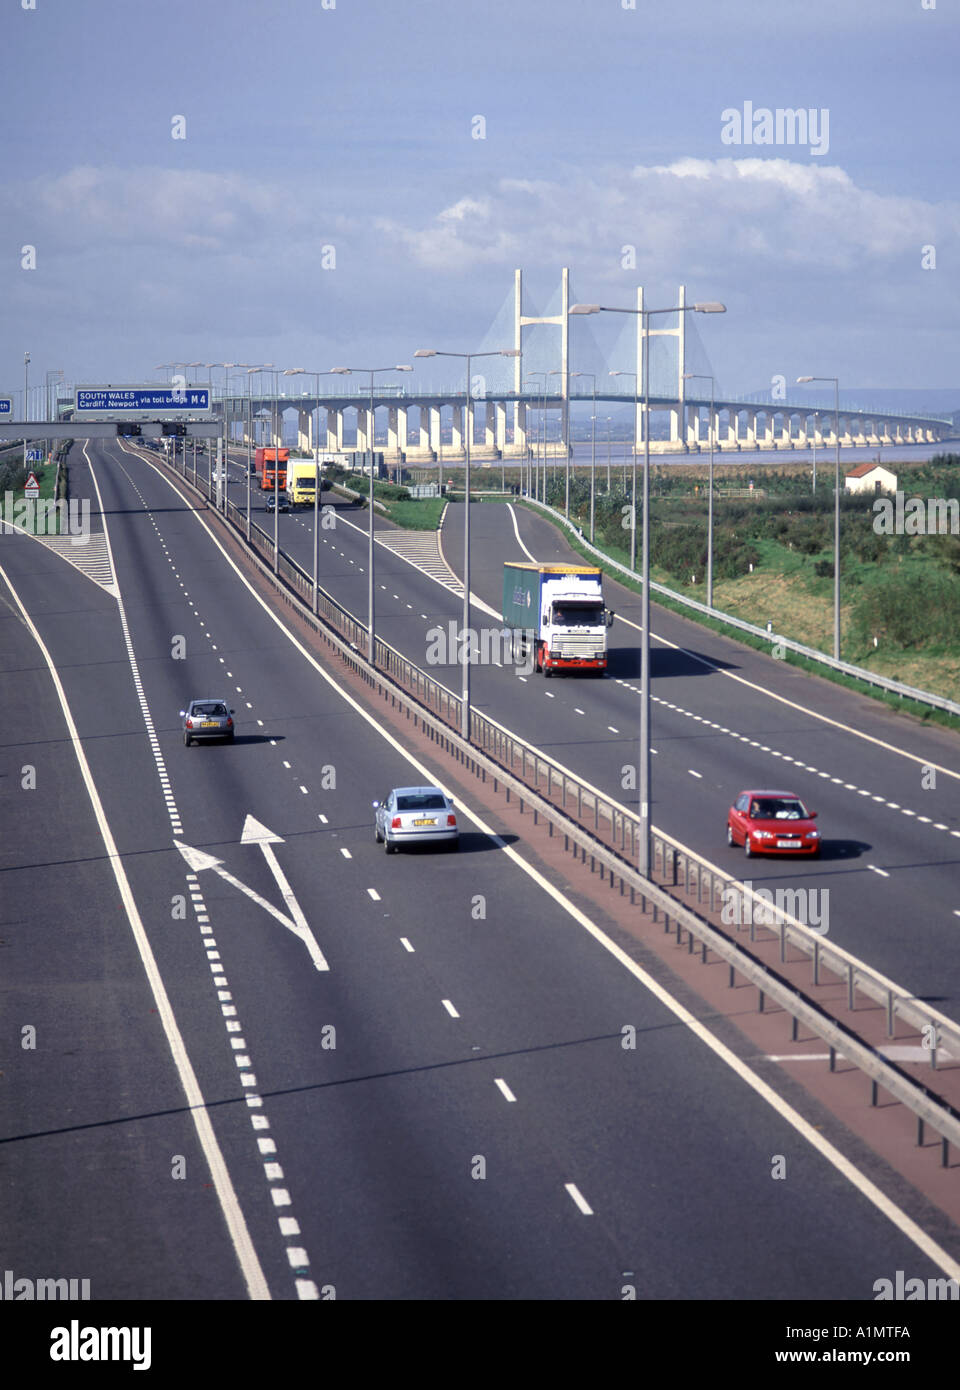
<point>208,718</point>
<point>415,815</point>
<point>772,822</point>
<point>271,503</point>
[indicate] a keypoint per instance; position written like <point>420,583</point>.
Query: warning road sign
<point>31,487</point>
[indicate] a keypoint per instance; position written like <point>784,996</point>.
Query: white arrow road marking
<point>255,833</point>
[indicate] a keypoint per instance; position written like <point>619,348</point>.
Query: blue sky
<point>353,128</point>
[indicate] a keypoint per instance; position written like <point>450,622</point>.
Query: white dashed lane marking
<point>581,1202</point>
<point>803,767</point>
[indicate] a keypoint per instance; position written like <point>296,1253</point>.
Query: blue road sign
<point>129,400</point>
<point>6,406</point>
<point>34,456</point>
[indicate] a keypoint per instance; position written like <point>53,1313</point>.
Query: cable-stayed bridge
<point>517,403</point>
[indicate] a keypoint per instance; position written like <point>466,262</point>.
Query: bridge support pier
<point>457,445</point>
<point>397,430</point>
<point>334,430</point>
<point>520,427</point>
<point>500,426</point>
<point>489,426</point>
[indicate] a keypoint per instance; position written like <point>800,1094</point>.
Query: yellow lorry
<point>301,482</point>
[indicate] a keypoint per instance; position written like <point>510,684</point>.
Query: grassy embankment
<point>13,476</point>
<point>773,562</point>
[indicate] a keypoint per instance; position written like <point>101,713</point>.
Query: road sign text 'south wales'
<point>113,400</point>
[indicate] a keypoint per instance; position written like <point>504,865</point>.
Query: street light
<point>703,307</point>
<point>221,454</point>
<point>593,447</point>
<point>836,508</point>
<point>301,371</point>
<point>26,400</point>
<point>633,472</point>
<point>705,376</point>
<point>374,371</point>
<point>468,430</point>
<point>558,371</point>
<point>541,436</point>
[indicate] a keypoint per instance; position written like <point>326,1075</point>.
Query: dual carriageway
<point>448,1111</point>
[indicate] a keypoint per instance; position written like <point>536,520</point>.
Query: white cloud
<point>722,213</point>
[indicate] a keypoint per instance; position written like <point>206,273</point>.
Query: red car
<point>770,822</point>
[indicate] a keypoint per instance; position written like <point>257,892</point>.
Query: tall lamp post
<point>468,430</point>
<point>222,458</point>
<point>836,509</point>
<point>558,371</point>
<point>633,470</point>
<point>301,371</point>
<point>251,369</point>
<point>593,449</point>
<point>374,371</point>
<point>541,438</point>
<point>26,400</point>
<point>706,307</point>
<point>705,376</point>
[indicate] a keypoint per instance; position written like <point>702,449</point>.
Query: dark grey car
<point>210,718</point>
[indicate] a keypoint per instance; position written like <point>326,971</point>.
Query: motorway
<point>724,717</point>
<point>447,1110</point>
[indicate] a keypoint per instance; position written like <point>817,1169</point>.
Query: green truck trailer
<point>559,609</point>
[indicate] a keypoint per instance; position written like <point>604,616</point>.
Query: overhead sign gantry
<point>144,402</point>
<point>104,411</point>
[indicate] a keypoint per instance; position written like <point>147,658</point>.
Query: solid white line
<point>226,1195</point>
<point>904,1223</point>
<point>516,532</point>
<point>575,1194</point>
<point>505,1089</point>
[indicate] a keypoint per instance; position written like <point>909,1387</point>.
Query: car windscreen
<point>425,801</point>
<point>213,707</point>
<point>777,808</point>
<point>571,614</point>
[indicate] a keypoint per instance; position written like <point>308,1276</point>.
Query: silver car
<point>208,718</point>
<point>415,815</point>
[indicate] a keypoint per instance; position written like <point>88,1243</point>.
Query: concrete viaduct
<point>425,426</point>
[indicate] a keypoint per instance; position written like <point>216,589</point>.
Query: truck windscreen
<point>571,613</point>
